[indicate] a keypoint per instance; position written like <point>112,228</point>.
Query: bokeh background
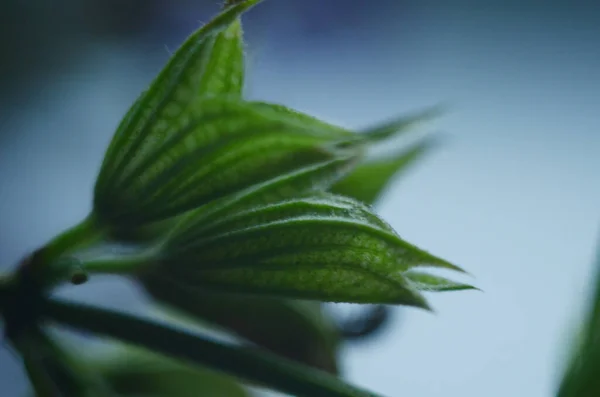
<point>513,195</point>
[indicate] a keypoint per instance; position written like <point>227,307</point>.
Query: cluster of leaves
<point>244,215</point>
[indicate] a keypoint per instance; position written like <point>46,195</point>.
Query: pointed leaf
<point>323,247</point>
<point>297,330</point>
<point>430,282</point>
<point>351,223</point>
<point>229,146</point>
<point>209,62</point>
<point>369,181</point>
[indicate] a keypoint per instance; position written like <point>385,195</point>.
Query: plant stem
<point>124,265</point>
<point>83,234</point>
<point>51,265</point>
<point>251,365</point>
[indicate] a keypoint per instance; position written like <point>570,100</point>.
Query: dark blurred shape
<point>131,371</point>
<point>298,330</point>
<point>366,324</point>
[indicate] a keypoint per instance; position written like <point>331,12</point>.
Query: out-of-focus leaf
<point>134,372</point>
<point>209,62</point>
<point>294,329</point>
<point>369,180</point>
<point>258,367</point>
<point>323,247</point>
<point>581,375</point>
<point>229,146</point>
<point>401,125</point>
<point>377,133</point>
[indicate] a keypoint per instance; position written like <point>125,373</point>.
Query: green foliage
<point>245,215</point>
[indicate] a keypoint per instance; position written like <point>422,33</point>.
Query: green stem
<point>51,265</point>
<point>125,265</point>
<point>79,236</point>
<point>251,365</point>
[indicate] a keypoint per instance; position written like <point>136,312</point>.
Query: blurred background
<point>513,196</point>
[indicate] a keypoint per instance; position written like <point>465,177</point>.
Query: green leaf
<point>322,247</point>
<point>430,282</point>
<point>312,178</point>
<point>209,62</point>
<point>176,342</point>
<point>131,371</point>
<point>370,180</point>
<point>230,145</point>
<point>581,375</point>
<point>297,330</point>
